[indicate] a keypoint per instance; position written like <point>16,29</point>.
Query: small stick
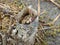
<point>53,27</point>
<point>40,38</point>
<point>55,19</point>
<point>4,39</point>
<point>51,23</point>
<point>38,7</point>
<point>55,3</point>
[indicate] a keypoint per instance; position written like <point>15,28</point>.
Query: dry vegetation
<point>9,10</point>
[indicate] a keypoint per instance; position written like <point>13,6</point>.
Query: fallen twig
<point>51,23</point>
<point>53,27</point>
<point>38,7</point>
<point>55,19</point>
<point>39,38</point>
<point>55,3</point>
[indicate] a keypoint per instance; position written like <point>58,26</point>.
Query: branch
<point>38,7</point>
<point>55,3</point>
<point>55,19</point>
<point>53,27</point>
<point>51,23</point>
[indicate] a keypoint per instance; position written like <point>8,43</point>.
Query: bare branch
<point>53,27</point>
<point>38,7</point>
<point>55,19</point>
<point>55,3</point>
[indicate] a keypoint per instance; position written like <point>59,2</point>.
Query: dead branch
<point>39,38</point>
<point>55,3</point>
<point>53,27</point>
<point>51,23</point>
<point>38,7</point>
<point>55,19</point>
